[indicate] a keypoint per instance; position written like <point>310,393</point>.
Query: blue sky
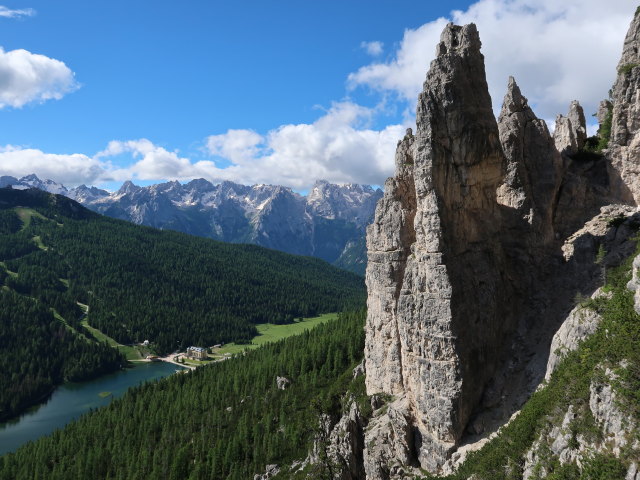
<point>264,91</point>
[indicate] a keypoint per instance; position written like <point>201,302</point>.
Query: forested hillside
<point>170,288</point>
<point>39,352</point>
<point>228,420</point>
<point>139,284</point>
<point>39,330</point>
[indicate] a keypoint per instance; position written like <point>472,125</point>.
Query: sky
<point>266,91</point>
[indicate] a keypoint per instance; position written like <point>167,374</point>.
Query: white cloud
<point>9,13</point>
<point>372,48</point>
<point>70,170</point>
<point>26,77</point>
<point>337,147</point>
<point>239,146</point>
<point>557,51</point>
<point>151,162</point>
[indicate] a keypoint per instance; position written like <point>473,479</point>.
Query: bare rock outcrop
<point>436,276</point>
<point>469,275</point>
<point>389,442</point>
<point>634,283</point>
<point>532,172</point>
<point>624,143</point>
<point>570,134</point>
<point>338,446</point>
<point>581,322</point>
<point>561,442</point>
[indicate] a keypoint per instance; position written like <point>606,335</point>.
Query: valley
<point>93,283</point>
<point>223,314</point>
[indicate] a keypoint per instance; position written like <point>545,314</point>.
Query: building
<point>197,353</point>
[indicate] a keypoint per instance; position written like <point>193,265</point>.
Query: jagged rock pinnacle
<point>570,134</point>
<point>438,216</point>
<point>624,142</point>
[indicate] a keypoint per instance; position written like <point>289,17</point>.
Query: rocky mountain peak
<point>32,181</point>
<point>128,187</point>
<point>570,134</point>
<point>465,231</point>
<point>631,46</point>
<point>456,39</point>
<point>428,320</point>
<point>513,101</point>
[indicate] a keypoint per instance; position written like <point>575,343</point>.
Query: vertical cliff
<point>624,141</point>
<point>438,287</point>
<point>465,278</point>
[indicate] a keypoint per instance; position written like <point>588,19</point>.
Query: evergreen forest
<point>224,421</point>
<point>59,260</point>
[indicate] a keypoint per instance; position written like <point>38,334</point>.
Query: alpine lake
<point>71,400</point>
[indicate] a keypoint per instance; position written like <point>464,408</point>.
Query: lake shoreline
<point>70,400</point>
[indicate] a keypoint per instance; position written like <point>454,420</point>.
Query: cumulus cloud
<point>72,169</point>
<point>9,13</point>
<point>337,147</point>
<point>557,51</point>
<point>239,146</point>
<point>372,48</point>
<point>26,77</point>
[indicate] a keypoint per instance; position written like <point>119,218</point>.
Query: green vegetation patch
<point>26,214</point>
<point>170,288</point>
<point>104,394</point>
<point>38,241</point>
<point>131,353</point>
<point>40,350</point>
<point>626,69</point>
<point>268,332</point>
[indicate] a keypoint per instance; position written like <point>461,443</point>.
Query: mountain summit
<point>328,223</point>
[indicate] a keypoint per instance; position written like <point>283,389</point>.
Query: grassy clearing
<point>272,333</point>
<point>38,241</point>
<point>26,214</point>
<point>131,353</point>
<point>9,272</point>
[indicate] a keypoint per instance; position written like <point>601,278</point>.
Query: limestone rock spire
<point>624,142</point>
<point>433,327</point>
<point>570,134</point>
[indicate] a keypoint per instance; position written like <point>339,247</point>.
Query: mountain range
<point>328,223</point>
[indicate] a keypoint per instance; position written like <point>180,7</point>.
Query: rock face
<point>624,144</point>
<point>338,446</point>
<point>559,444</point>
<point>581,322</point>
<point>436,274</point>
<point>532,172</point>
<point>469,275</point>
<point>634,283</point>
<point>570,134</point>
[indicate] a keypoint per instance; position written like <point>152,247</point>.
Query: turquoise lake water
<point>69,401</point>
